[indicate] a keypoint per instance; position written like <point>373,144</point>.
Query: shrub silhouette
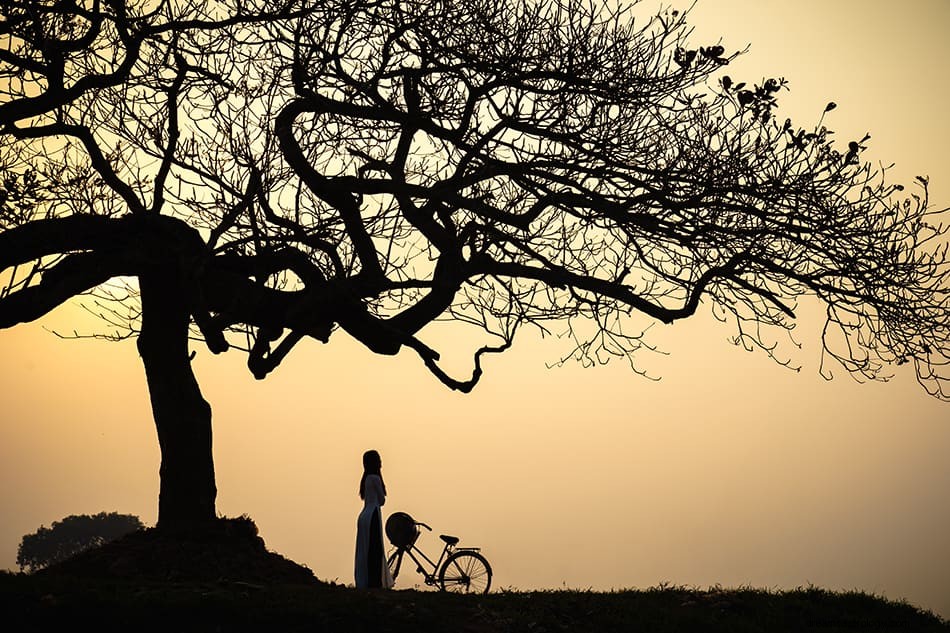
<point>70,536</point>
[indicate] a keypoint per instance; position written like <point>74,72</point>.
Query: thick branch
<point>430,358</point>
<point>51,236</point>
<point>345,203</point>
<point>72,276</point>
<point>562,278</point>
<point>96,157</point>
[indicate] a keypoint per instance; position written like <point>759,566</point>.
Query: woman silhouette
<point>371,568</point>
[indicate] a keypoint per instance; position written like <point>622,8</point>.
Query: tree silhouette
<point>263,172</point>
<point>69,536</point>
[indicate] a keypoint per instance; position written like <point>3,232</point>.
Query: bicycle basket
<point>401,530</point>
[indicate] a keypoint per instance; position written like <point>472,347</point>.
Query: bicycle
<point>459,569</point>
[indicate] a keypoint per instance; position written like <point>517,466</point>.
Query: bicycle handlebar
<point>423,525</point>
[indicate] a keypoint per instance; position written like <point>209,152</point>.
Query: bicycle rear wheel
<point>465,572</point>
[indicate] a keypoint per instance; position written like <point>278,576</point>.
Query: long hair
<point>372,465</point>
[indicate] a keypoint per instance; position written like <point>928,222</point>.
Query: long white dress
<point>371,569</point>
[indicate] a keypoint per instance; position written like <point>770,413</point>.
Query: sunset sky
<point>729,470</point>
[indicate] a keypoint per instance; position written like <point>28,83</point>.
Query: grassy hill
<point>35,603</point>
<point>226,580</point>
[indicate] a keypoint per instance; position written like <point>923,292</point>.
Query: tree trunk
<point>182,416</point>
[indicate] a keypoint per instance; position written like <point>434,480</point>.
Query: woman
<point>371,568</point>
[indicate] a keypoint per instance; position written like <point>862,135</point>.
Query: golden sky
<point>729,470</point>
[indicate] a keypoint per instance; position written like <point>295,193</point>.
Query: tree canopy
<point>71,535</point>
<point>270,171</point>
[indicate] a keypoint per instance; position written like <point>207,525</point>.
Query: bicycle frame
<point>412,551</point>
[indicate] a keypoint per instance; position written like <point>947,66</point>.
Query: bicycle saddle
<point>450,540</point>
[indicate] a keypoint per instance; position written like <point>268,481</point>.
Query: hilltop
<point>226,580</point>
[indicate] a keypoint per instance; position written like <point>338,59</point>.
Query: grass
<point>222,578</point>
<point>57,603</point>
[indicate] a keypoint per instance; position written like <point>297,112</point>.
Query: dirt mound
<point>225,550</point>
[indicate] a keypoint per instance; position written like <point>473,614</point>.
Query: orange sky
<point>730,470</point>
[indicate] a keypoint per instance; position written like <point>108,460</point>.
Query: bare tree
<point>263,174</point>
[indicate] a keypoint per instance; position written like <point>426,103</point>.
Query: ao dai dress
<point>371,569</point>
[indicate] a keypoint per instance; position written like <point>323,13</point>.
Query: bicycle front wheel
<point>465,572</point>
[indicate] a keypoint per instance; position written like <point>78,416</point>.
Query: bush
<point>71,535</point>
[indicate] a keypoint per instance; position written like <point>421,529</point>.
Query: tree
<point>69,536</point>
<point>262,174</point>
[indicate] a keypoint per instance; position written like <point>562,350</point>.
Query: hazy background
<point>729,470</point>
